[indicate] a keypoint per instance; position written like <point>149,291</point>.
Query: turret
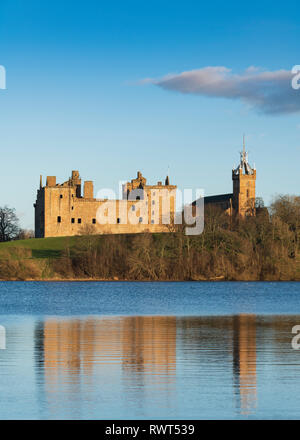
<point>244,178</point>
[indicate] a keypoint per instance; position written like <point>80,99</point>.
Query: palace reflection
<point>244,361</point>
<point>97,351</point>
<point>149,344</point>
<point>138,357</point>
<point>145,344</point>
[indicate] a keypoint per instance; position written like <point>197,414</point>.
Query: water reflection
<point>149,344</point>
<point>156,366</point>
<point>244,361</point>
<point>141,344</point>
<point>76,352</point>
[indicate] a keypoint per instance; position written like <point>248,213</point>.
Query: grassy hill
<point>78,257</point>
<point>32,258</point>
<point>252,249</point>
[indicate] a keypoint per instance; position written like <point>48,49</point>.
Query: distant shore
<point>114,280</point>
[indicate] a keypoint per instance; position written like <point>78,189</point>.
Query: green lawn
<point>41,247</point>
<point>53,246</point>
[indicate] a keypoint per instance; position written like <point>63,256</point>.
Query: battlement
<point>140,184</point>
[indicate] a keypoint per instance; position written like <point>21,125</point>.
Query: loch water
<point>149,350</point>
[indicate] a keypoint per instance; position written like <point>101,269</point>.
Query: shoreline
<point>208,280</point>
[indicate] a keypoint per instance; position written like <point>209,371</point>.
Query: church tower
<point>244,177</point>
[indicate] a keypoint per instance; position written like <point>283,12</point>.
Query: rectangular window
<point>59,219</point>
<point>61,196</point>
<point>152,221</point>
<point>94,221</point>
<point>140,219</point>
<point>133,208</point>
<point>118,220</point>
<point>79,220</point>
<point>153,202</point>
<point>72,220</point>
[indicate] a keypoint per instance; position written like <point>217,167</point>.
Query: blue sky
<point>74,97</point>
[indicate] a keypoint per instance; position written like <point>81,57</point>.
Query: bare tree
<point>9,224</point>
<point>24,234</point>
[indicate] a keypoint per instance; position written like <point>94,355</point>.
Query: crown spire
<point>244,164</point>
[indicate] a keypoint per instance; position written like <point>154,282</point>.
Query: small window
<point>61,196</point>
<point>152,222</point>
<point>118,220</point>
<point>72,195</point>
<point>138,197</point>
<point>140,219</point>
<point>72,220</point>
<point>153,212</point>
<point>59,219</point>
<point>79,220</point>
<point>154,193</point>
<point>133,208</point>
<point>153,202</point>
<point>94,221</point>
<point>72,207</point>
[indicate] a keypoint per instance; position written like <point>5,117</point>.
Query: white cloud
<point>265,91</point>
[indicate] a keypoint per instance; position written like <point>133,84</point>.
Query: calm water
<point>149,350</point>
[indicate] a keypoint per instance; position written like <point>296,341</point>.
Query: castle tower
<point>76,181</point>
<point>244,177</point>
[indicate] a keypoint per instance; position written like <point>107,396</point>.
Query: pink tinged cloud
<point>265,91</point>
